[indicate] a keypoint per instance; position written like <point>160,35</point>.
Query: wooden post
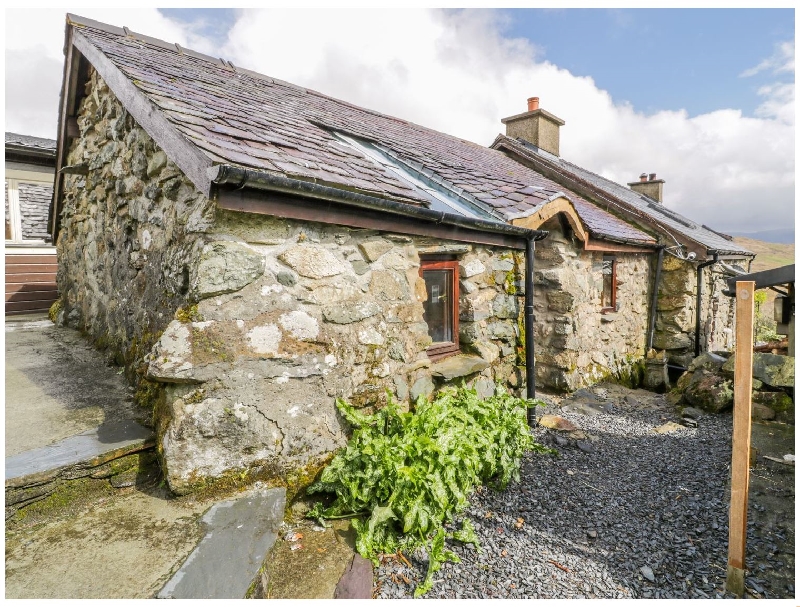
<point>740,459</point>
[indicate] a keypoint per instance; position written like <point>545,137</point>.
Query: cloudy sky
<point>703,98</point>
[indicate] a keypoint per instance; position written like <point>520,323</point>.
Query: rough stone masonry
<point>241,330</point>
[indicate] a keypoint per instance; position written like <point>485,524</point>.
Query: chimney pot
<point>652,176</point>
<point>643,177</point>
<point>533,103</point>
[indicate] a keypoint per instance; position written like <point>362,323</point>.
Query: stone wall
<point>131,231</point>
<point>677,305</point>
<point>576,345</point>
<point>240,329</point>
<point>292,315</point>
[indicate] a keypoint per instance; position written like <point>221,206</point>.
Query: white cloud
<point>34,44</point>
<point>456,72</point>
<point>781,61</point>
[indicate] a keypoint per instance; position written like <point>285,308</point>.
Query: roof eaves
<point>652,204</point>
<point>516,148</point>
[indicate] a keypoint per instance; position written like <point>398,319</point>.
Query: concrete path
<point>58,386</point>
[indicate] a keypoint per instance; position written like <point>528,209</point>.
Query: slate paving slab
<point>239,534</point>
<point>76,449</point>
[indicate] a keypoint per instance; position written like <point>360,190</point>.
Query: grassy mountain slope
<point>768,254</point>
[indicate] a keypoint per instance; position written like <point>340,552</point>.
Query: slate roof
<point>35,143</point>
<point>671,220</point>
<point>239,117</point>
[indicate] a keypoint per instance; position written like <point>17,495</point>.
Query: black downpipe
<point>700,301</point>
<point>654,302</point>
<point>530,368</point>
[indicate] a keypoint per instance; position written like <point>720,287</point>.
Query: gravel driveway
<point>622,512</point>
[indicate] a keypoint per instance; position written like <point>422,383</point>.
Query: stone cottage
<point>250,250</point>
<point>692,315</point>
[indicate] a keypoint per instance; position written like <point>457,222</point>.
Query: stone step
<point>90,449</point>
<point>239,534</point>
<point>114,451</point>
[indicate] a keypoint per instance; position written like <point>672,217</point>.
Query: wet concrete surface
<point>120,545</point>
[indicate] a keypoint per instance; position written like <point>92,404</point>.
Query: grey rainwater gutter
<point>700,301</point>
<point>241,177</point>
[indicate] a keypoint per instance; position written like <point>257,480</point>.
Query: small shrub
<point>406,474</point>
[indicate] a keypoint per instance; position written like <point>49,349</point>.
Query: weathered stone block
<point>672,341</point>
<point>226,267</point>
<point>346,312</point>
<point>157,162</point>
<point>471,268</point>
<point>560,302</point>
<point>505,306</point>
<point>461,365</point>
<point>779,402</point>
<point>709,392</point>
<point>388,286</point>
<point>422,387</point>
<point>501,330</point>
<point>708,361</point>
<point>312,261</point>
<point>171,360</point>
<point>372,250</point>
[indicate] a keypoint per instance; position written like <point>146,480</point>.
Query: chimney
<point>535,126</point>
<point>649,186</point>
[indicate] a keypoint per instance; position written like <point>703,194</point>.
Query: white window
<point>28,198</point>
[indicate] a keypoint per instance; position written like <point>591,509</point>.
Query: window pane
<point>438,307</point>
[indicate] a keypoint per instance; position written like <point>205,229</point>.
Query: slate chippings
<point>640,515</point>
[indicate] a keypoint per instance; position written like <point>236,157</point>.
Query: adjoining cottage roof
<point>671,222</point>
<point>26,141</point>
<point>238,117</point>
<point>33,150</point>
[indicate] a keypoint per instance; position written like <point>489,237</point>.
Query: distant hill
<point>780,236</point>
<point>768,254</point>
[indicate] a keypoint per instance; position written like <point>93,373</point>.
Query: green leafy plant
<point>407,473</point>
<point>764,326</point>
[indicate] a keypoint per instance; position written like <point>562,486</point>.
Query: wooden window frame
<point>613,307</point>
<point>442,349</point>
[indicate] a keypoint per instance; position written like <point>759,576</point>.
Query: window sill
<point>454,367</point>
<point>442,350</point>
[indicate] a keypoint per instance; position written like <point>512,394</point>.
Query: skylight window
<point>440,198</point>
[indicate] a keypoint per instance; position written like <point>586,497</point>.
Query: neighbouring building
<point>693,263</point>
<point>251,250</point>
<point>30,255</point>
